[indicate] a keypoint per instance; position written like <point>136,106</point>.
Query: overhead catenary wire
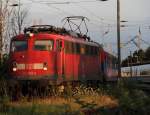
<point>97,20</point>
<point>65,2</point>
<point>89,11</point>
<point>105,21</point>
<point>93,14</point>
<point>52,6</point>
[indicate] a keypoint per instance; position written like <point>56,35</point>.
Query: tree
<point>17,16</point>
<point>18,19</point>
<point>135,57</point>
<point>147,54</point>
<point>4,20</point>
<point>141,55</point>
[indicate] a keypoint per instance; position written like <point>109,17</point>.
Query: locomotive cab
<point>33,57</point>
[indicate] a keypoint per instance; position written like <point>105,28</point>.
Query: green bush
<point>132,101</point>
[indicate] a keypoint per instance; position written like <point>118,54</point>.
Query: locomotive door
<point>59,60</point>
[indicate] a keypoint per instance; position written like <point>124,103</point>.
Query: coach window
<point>43,45</point>
<point>19,46</point>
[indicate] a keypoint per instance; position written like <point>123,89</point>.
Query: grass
<point>122,99</point>
<point>84,100</point>
<point>58,106</point>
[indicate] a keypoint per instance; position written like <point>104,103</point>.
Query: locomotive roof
<point>53,29</point>
<point>57,36</point>
<point>47,31</point>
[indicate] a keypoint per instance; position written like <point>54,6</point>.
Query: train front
<point>32,57</point>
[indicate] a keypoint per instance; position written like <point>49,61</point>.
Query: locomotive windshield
<point>44,45</point>
<point>19,46</point>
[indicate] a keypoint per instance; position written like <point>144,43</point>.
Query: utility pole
<point>118,38</point>
<point>131,63</point>
<point>1,31</point>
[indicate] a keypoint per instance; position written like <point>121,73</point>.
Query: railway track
<point>144,84</point>
<point>141,82</point>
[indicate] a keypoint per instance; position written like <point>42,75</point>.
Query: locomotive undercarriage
<point>45,88</point>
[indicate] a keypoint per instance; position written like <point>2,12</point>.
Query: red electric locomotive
<point>44,55</point>
<point>45,52</point>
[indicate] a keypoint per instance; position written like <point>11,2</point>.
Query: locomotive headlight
<point>31,34</point>
<point>45,66</point>
<point>14,66</point>
<point>14,69</point>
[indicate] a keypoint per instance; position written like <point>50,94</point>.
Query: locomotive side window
<point>43,45</point>
<point>19,46</point>
<point>82,50</point>
<point>88,50</point>
<point>78,48</point>
<point>68,47</point>
<point>95,51</point>
<point>59,45</point>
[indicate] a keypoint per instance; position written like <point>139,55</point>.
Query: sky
<point>102,19</point>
